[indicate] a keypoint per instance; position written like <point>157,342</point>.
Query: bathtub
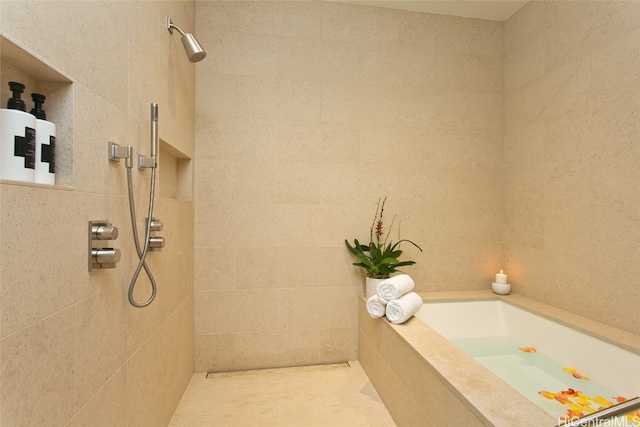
<point>424,378</point>
<point>612,371</point>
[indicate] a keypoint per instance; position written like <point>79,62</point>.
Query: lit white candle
<point>501,278</point>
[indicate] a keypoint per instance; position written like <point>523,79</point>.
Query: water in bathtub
<point>562,391</point>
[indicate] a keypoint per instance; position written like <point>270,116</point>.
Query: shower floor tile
<point>329,395</point>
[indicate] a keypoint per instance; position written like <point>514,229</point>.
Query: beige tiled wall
<point>306,113</point>
<point>72,350</point>
<point>572,192</point>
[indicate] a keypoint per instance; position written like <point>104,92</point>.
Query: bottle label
<point>25,146</point>
<point>48,153</point>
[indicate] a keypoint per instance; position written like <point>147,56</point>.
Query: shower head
<point>195,52</point>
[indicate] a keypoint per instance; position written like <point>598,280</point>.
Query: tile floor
<point>328,395</point>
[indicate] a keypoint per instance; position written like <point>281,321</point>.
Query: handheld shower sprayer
<point>154,133</point>
<point>144,162</point>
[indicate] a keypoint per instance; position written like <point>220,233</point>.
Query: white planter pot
<point>371,286</point>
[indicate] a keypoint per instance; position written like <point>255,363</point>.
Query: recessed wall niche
<point>17,64</point>
<point>175,172</point>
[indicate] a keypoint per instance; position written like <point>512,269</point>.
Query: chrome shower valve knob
<point>156,225</point>
<point>106,257</point>
<point>156,242</point>
<point>104,232</point>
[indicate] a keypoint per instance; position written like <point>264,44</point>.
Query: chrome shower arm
<point>171,26</point>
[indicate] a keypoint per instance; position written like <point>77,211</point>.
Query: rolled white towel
<point>376,306</point>
<point>401,309</point>
<point>394,287</point>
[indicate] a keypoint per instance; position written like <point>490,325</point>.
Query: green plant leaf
<point>394,254</point>
<point>360,246</point>
<point>364,260</point>
<point>406,240</point>
<point>403,263</point>
<point>386,270</point>
<point>352,249</point>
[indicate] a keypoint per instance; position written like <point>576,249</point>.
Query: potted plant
<point>381,257</point>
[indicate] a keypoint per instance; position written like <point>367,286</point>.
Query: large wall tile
<point>249,310</point>
<point>102,341</point>
<point>108,407</point>
<point>45,347</point>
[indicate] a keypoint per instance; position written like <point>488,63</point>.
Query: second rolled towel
<point>394,287</point>
<point>376,306</point>
<point>401,309</point>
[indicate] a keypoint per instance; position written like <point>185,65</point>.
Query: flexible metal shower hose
<point>142,253</point>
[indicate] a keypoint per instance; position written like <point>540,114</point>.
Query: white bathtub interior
<point>616,369</point>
